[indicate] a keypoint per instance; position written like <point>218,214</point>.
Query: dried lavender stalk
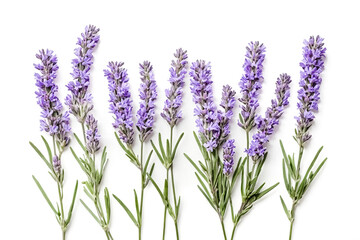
<point>57,124</point>
<point>308,95</point>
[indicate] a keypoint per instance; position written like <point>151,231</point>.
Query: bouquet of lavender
<point>221,174</point>
<point>80,103</point>
<point>308,95</point>
<point>121,107</point>
<point>166,153</point>
<point>57,125</point>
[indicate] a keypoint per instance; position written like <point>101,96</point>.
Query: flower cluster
<point>312,66</point>
<point>145,114</point>
<point>250,84</point>
<point>120,100</point>
<point>228,154</point>
<point>201,88</point>
<point>79,101</point>
<point>53,122</point>
<point>227,103</point>
<point>171,112</point>
<point>92,135</point>
<point>57,164</point>
<point>213,124</point>
<point>266,125</point>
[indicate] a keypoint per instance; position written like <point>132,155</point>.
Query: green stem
<point>233,232</point>
<point>223,228</point>
<point>63,234</point>
<point>301,151</point>
<point>292,218</point>
<point>164,225</point>
<point>83,130</point>
<point>177,230</point>
<point>142,187</point>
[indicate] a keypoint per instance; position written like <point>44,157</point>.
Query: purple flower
<point>120,100</point>
<point>171,112</point>
<point>92,135</point>
<point>227,103</point>
<point>266,125</point>
<point>80,101</point>
<point>250,84</point>
<point>148,95</point>
<point>56,164</point>
<point>53,122</point>
<point>201,88</point>
<point>228,154</point>
<point>312,66</point>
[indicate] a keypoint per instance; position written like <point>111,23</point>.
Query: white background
<point>218,32</point>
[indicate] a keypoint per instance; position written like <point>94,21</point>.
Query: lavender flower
<point>266,125</point>
<point>171,112</point>
<point>92,135</point>
<point>120,100</point>
<point>312,66</point>
<point>228,153</point>
<point>57,164</point>
<point>148,95</point>
<point>250,84</point>
<point>227,103</point>
<point>79,101</point>
<point>53,122</point>
<point>201,88</point>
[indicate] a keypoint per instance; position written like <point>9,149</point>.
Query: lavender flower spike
<point>120,100</point>
<point>148,95</point>
<point>53,122</point>
<point>80,101</point>
<point>228,152</point>
<point>227,103</point>
<point>92,135</point>
<point>312,66</point>
<point>250,84</point>
<point>171,112</point>
<point>201,88</point>
<point>266,125</point>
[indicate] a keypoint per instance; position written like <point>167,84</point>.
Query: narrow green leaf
<point>78,160</point>
<point>137,206</point>
<point>207,198</point>
<point>45,196</point>
<point>195,166</point>
<point>157,152</point>
<point>72,203</point>
<point>260,195</point>
<point>157,189</point>
<point>107,205</point>
<point>41,156</point>
<point>91,212</point>
<point>176,146</point>
<point>285,208</point>
<point>147,161</point>
<point>48,149</point>
<point>80,143</point>
<point>126,210</point>
<point>203,185</point>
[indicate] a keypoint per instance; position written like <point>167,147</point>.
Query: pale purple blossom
<point>92,134</point>
<point>309,95</point>
<point>146,113</point>
<point>53,121</point>
<point>80,101</point>
<point>250,84</point>
<point>120,100</point>
<point>266,125</point>
<point>171,112</point>
<point>228,156</point>
<point>224,117</point>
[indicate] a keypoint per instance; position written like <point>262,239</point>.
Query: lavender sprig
<point>308,95</point>
<point>250,84</point>
<point>120,105</point>
<point>120,100</point>
<point>266,125</point>
<point>213,130</point>
<point>145,114</point>
<point>58,126</point>
<point>172,114</point>
<point>80,104</point>
<point>80,101</point>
